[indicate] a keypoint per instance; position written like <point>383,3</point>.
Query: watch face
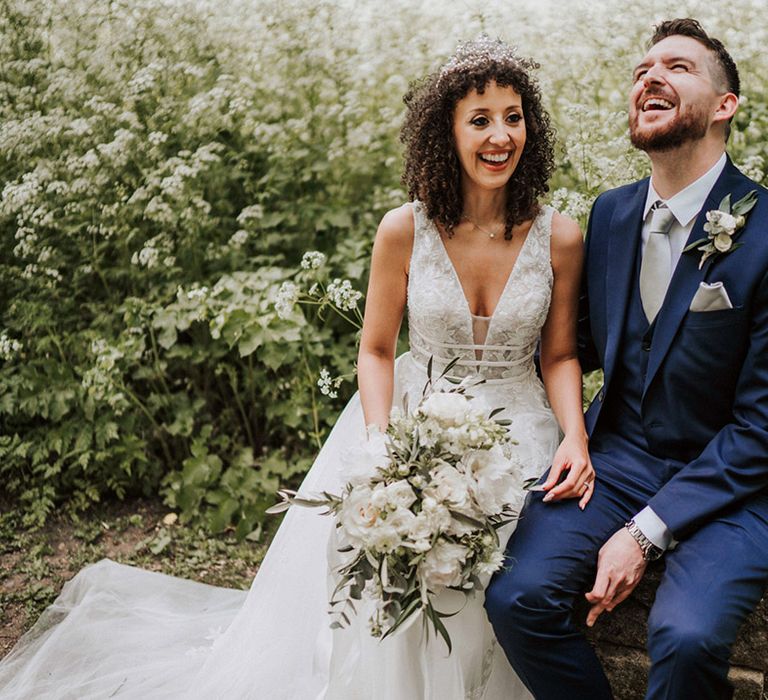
<point>653,553</point>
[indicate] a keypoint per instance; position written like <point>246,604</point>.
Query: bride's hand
<point>573,457</point>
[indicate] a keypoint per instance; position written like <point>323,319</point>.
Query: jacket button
<point>646,346</point>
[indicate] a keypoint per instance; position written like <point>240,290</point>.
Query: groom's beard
<point>690,125</point>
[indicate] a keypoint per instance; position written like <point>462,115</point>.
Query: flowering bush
<point>167,166</point>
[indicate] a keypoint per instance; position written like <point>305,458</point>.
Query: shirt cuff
<point>653,527</point>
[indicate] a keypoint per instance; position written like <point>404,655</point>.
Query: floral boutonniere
<point>722,225</point>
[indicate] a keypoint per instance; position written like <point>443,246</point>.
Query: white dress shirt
<point>685,205</point>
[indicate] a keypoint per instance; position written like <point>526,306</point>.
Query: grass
<point>35,564</point>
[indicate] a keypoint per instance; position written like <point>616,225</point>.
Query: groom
<point>679,432</point>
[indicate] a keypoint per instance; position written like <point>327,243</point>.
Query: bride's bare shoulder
<point>566,234</point>
<point>396,227</point>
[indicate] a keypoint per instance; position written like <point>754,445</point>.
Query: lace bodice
<point>440,321</point>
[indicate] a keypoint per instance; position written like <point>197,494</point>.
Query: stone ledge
<point>627,670</point>
<point>620,639</point>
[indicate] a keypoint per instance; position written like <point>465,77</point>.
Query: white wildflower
<point>9,347</point>
<point>287,297</point>
<point>312,260</point>
<point>148,257</point>
<point>327,384</point>
<point>250,214</point>
<point>238,239</point>
<point>341,293</point>
<point>157,138</point>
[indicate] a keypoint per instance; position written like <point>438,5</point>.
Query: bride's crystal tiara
<point>473,54</point>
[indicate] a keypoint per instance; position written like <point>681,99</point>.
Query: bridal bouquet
<point>421,510</point>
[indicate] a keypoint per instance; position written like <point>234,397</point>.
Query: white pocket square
<point>710,297</point>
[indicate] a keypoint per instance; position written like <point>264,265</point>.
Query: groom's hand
<point>620,566</point>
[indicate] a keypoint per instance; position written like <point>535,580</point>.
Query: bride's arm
<point>560,366</point>
<point>384,307</point>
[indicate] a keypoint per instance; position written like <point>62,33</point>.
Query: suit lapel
<point>687,276</point>
<point>623,239</point>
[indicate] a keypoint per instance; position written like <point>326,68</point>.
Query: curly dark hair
<point>432,171</point>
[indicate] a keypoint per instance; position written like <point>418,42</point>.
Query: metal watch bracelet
<point>650,551</point>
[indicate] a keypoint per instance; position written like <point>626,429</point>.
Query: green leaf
<point>725,203</point>
<point>695,244</point>
<point>745,204</point>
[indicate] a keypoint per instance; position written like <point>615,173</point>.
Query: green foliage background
<point>165,165</point>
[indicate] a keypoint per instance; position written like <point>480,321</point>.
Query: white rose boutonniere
<point>722,225</point>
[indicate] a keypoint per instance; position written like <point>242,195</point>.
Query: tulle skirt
<point>119,631</point>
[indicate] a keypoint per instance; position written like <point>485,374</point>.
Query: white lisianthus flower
<point>494,486</point>
<point>443,564</point>
<point>447,409</point>
<point>383,537</point>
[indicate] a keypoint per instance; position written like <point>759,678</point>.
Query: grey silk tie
<point>656,266</point>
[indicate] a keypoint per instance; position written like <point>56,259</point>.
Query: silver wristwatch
<point>650,551</point>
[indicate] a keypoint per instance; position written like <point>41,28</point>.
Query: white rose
<point>439,517</point>
<point>442,565</point>
<point>493,483</point>
<point>449,486</point>
<point>401,519</point>
<point>358,515</point>
<point>723,242</point>
<point>447,409</point>
<point>421,528</point>
<point>400,494</point>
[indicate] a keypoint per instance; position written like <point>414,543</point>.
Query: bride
<point>486,274</point>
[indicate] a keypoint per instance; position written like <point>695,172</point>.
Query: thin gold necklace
<point>490,234</point>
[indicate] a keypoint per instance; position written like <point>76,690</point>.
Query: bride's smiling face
<point>489,135</point>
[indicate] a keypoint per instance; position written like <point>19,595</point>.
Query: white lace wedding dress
<point>118,631</point>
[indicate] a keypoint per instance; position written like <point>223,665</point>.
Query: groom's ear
<point>729,103</point>
<point>726,108</point>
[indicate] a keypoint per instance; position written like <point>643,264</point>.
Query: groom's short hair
<point>725,71</point>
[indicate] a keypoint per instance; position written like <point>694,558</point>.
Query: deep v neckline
<point>507,284</point>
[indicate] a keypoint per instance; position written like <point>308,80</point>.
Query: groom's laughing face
<point>674,94</point>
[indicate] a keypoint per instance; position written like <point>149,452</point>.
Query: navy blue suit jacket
<point>705,399</point>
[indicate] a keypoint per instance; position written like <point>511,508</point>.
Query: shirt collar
<point>689,201</point>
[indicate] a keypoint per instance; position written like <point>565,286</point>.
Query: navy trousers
<point>712,581</point>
